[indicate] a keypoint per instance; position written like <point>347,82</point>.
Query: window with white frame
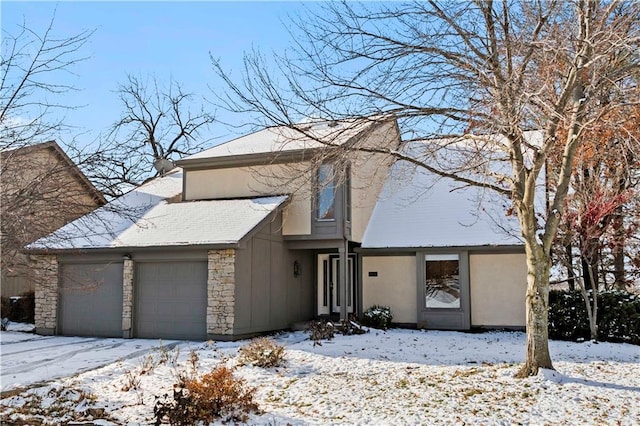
<point>326,192</point>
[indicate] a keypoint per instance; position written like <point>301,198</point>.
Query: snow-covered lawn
<point>393,377</point>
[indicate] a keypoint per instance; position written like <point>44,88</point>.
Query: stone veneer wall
<point>127,297</point>
<point>45,268</point>
<point>221,291</point>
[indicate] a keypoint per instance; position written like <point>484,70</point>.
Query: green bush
<point>618,316</point>
<point>377,317</point>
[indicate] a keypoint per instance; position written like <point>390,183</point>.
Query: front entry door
<point>336,285</point>
<point>329,285</point>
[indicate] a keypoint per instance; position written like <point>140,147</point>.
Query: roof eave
<point>485,247</point>
<point>247,160</point>
<point>274,157</point>
<point>132,249</point>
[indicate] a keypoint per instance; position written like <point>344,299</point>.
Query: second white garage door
<point>171,300</point>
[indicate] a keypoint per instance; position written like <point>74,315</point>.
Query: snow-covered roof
<point>282,138</point>
<point>147,217</point>
<point>419,209</point>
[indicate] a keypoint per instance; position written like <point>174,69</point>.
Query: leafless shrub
<point>262,352</point>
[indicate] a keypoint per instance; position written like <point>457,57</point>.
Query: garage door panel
<point>90,299</point>
<point>171,300</point>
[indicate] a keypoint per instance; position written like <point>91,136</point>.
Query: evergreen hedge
<point>377,317</point>
<point>19,309</point>
<point>618,316</point>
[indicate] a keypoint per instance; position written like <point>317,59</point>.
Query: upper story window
<point>326,192</point>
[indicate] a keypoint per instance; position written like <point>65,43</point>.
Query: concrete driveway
<point>27,359</point>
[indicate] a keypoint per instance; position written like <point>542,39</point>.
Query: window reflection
<point>442,281</point>
<point>326,192</point>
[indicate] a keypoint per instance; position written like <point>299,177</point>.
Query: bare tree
<point>41,187</point>
<point>157,125</point>
<point>475,76</point>
<point>32,68</point>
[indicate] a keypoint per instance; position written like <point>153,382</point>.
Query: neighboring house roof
<point>8,155</point>
<point>146,217</point>
<point>283,143</point>
<point>419,209</point>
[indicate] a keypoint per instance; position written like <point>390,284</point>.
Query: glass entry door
<point>336,285</point>
<point>329,293</point>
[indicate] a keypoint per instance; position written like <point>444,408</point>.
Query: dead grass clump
<point>262,352</point>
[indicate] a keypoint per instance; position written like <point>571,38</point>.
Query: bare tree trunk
<point>537,316</point>
<point>620,282</point>
<point>590,269</point>
<point>592,308</point>
<point>570,273</point>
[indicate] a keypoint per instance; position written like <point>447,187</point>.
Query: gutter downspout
<point>344,251</point>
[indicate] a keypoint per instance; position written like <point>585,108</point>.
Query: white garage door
<point>171,300</point>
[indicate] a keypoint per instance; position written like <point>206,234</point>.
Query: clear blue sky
<point>163,39</point>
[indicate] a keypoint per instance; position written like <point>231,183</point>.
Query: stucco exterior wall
<point>395,285</point>
<point>258,181</point>
<point>368,174</point>
<point>498,284</point>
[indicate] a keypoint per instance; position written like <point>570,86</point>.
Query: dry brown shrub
<point>217,395</point>
<point>262,352</point>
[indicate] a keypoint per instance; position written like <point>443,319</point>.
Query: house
<point>42,189</point>
<point>265,230</point>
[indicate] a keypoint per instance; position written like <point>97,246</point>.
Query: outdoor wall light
<point>296,268</point>
<point>126,256</point>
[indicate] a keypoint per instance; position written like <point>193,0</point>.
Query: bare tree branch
<point>157,123</point>
<point>490,71</point>
<point>30,66</point>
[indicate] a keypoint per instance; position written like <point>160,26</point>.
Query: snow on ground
<point>393,377</point>
<point>28,359</point>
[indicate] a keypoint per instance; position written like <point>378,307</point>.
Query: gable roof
<point>417,209</point>
<point>282,143</point>
<point>12,154</point>
<point>146,217</point>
